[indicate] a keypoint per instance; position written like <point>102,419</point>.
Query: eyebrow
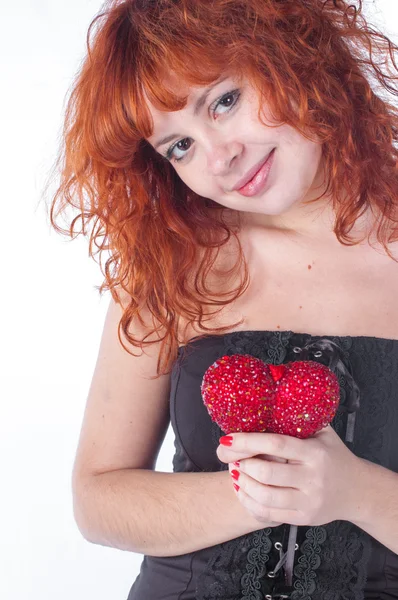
<point>198,105</point>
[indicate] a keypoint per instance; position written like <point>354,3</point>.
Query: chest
<point>317,289</point>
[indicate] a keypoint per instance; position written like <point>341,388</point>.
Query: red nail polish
<point>237,463</point>
<point>236,487</point>
<point>235,474</point>
<point>226,440</point>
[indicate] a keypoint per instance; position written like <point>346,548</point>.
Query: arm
<point>160,514</point>
<point>119,500</point>
<point>376,510</point>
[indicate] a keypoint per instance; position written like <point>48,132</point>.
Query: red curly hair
<point>162,238</point>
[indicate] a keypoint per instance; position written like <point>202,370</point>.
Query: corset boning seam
<point>178,439</point>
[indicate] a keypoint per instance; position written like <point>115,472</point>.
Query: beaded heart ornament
<point>244,394</point>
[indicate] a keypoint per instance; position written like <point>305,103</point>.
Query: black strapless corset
<point>336,561</point>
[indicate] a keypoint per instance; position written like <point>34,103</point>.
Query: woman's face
<point>217,142</point>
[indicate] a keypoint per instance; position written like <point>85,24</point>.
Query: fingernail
<point>235,474</point>
<point>226,440</point>
<point>237,463</point>
<point>236,487</point>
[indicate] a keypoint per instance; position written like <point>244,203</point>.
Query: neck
<point>313,221</point>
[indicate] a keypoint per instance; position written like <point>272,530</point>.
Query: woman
<point>233,156</point>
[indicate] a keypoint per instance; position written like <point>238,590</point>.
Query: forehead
<point>190,99</point>
<point>183,91</point>
<point>172,85</point>
<point>161,116</point>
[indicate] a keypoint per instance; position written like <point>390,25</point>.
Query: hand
<point>319,483</point>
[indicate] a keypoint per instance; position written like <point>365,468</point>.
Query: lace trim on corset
<point>257,559</point>
<point>225,571</point>
<point>331,559</point>
<point>346,551</point>
<point>309,562</point>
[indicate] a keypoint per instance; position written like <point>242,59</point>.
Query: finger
<point>271,472</point>
<point>228,456</point>
<point>269,495</point>
<point>268,517</point>
<point>273,458</point>
<point>274,444</point>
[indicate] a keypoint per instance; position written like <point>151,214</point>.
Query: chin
<point>276,207</point>
<point>278,202</point>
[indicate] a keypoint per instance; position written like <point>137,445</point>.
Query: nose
<point>221,155</point>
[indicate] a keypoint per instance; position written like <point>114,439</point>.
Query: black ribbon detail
<point>334,358</point>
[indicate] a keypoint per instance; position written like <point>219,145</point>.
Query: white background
<point>52,318</point>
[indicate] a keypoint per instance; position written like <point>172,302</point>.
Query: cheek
<point>314,161</point>
<point>197,181</point>
<point>308,160</point>
<point>303,155</point>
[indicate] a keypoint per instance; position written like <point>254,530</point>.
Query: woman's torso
<point>298,291</point>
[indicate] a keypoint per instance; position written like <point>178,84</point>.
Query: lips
<point>250,174</point>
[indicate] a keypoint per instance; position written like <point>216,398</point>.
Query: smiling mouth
<point>257,183</point>
<point>252,174</point>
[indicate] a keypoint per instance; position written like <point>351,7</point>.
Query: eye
<point>181,145</point>
<point>230,99</point>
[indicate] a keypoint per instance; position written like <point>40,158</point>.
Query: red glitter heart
<point>244,394</point>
